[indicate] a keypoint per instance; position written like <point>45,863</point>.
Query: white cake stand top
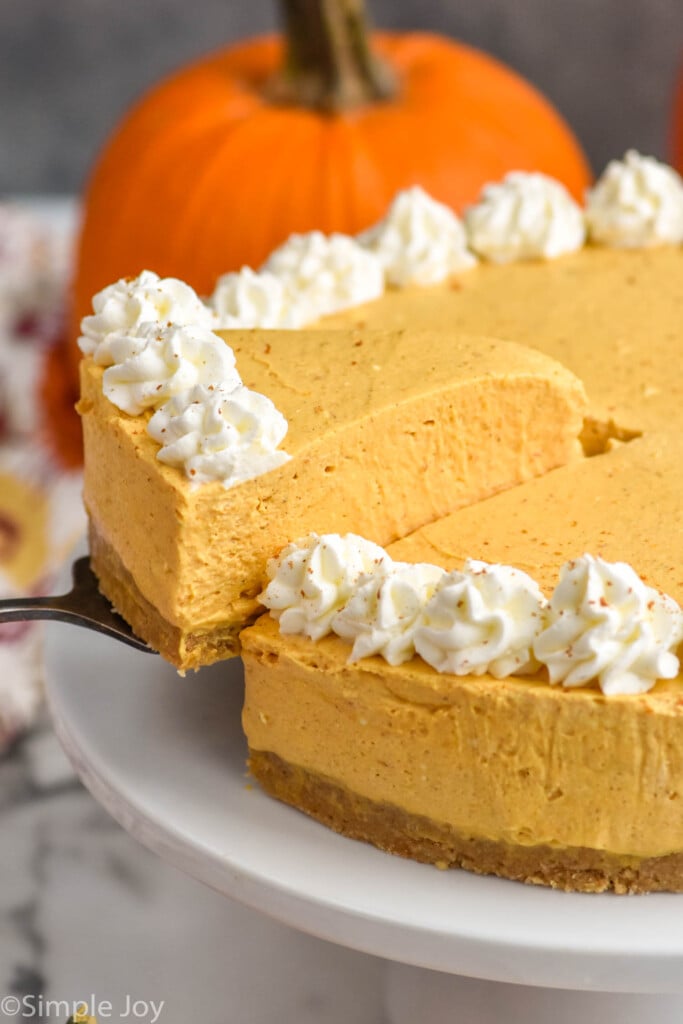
<point>166,757</point>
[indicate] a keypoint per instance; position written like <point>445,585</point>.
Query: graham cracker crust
<point>185,649</point>
<point>393,830</point>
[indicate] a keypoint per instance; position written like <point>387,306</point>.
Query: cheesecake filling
<point>513,760</point>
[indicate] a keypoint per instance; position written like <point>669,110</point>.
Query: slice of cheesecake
<point>388,430</point>
<point>512,776</point>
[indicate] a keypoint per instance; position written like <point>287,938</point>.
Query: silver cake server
<point>84,605</point>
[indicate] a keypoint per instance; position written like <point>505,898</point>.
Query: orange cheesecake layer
<point>625,505</point>
<point>370,415</point>
<point>512,761</point>
<point>614,317</point>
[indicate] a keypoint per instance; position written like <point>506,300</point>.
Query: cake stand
<point>166,756</point>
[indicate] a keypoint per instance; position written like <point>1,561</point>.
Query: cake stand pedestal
<point>166,757</point>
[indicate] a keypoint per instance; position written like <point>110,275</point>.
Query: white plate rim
<point>527,936</point>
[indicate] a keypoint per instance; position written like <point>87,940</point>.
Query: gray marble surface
<point>85,911</point>
<point>68,68</point>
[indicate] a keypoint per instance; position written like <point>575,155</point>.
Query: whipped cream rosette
<point>483,619</point>
<point>312,579</point>
<point>524,217</point>
<point>605,624</point>
<point>636,203</point>
<point>325,274</point>
<point>157,363</point>
<point>420,241</point>
<point>246,299</point>
<point>386,609</point>
<point>122,308</point>
<point>218,433</point>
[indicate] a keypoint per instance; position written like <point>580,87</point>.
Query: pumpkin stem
<point>329,65</point>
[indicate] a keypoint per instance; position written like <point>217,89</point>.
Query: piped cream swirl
<point>420,241</point>
<point>385,611</point>
<point>122,308</point>
<point>312,579</point>
<point>637,202</point>
<point>605,624</point>
<point>483,619</point>
<point>524,217</point>
<point>218,434</point>
<point>326,273</point>
<point>156,363</point>
<point>249,299</point>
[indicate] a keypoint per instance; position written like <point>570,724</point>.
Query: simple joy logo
<point>78,1011</point>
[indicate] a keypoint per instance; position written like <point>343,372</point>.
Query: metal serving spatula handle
<point>82,606</point>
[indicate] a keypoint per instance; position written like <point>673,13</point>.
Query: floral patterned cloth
<point>41,516</point>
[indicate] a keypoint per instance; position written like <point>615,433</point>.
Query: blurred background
<point>69,68</point>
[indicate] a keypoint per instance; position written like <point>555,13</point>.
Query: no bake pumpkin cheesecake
<point>555,761</point>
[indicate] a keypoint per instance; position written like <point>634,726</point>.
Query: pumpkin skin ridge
<point>159,165</point>
<point>352,201</point>
<point>276,193</point>
<point>194,215</point>
<point>173,180</point>
<point>470,58</point>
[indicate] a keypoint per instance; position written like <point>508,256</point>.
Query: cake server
<point>84,605</point>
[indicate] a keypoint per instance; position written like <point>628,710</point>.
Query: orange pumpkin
<point>221,162</point>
